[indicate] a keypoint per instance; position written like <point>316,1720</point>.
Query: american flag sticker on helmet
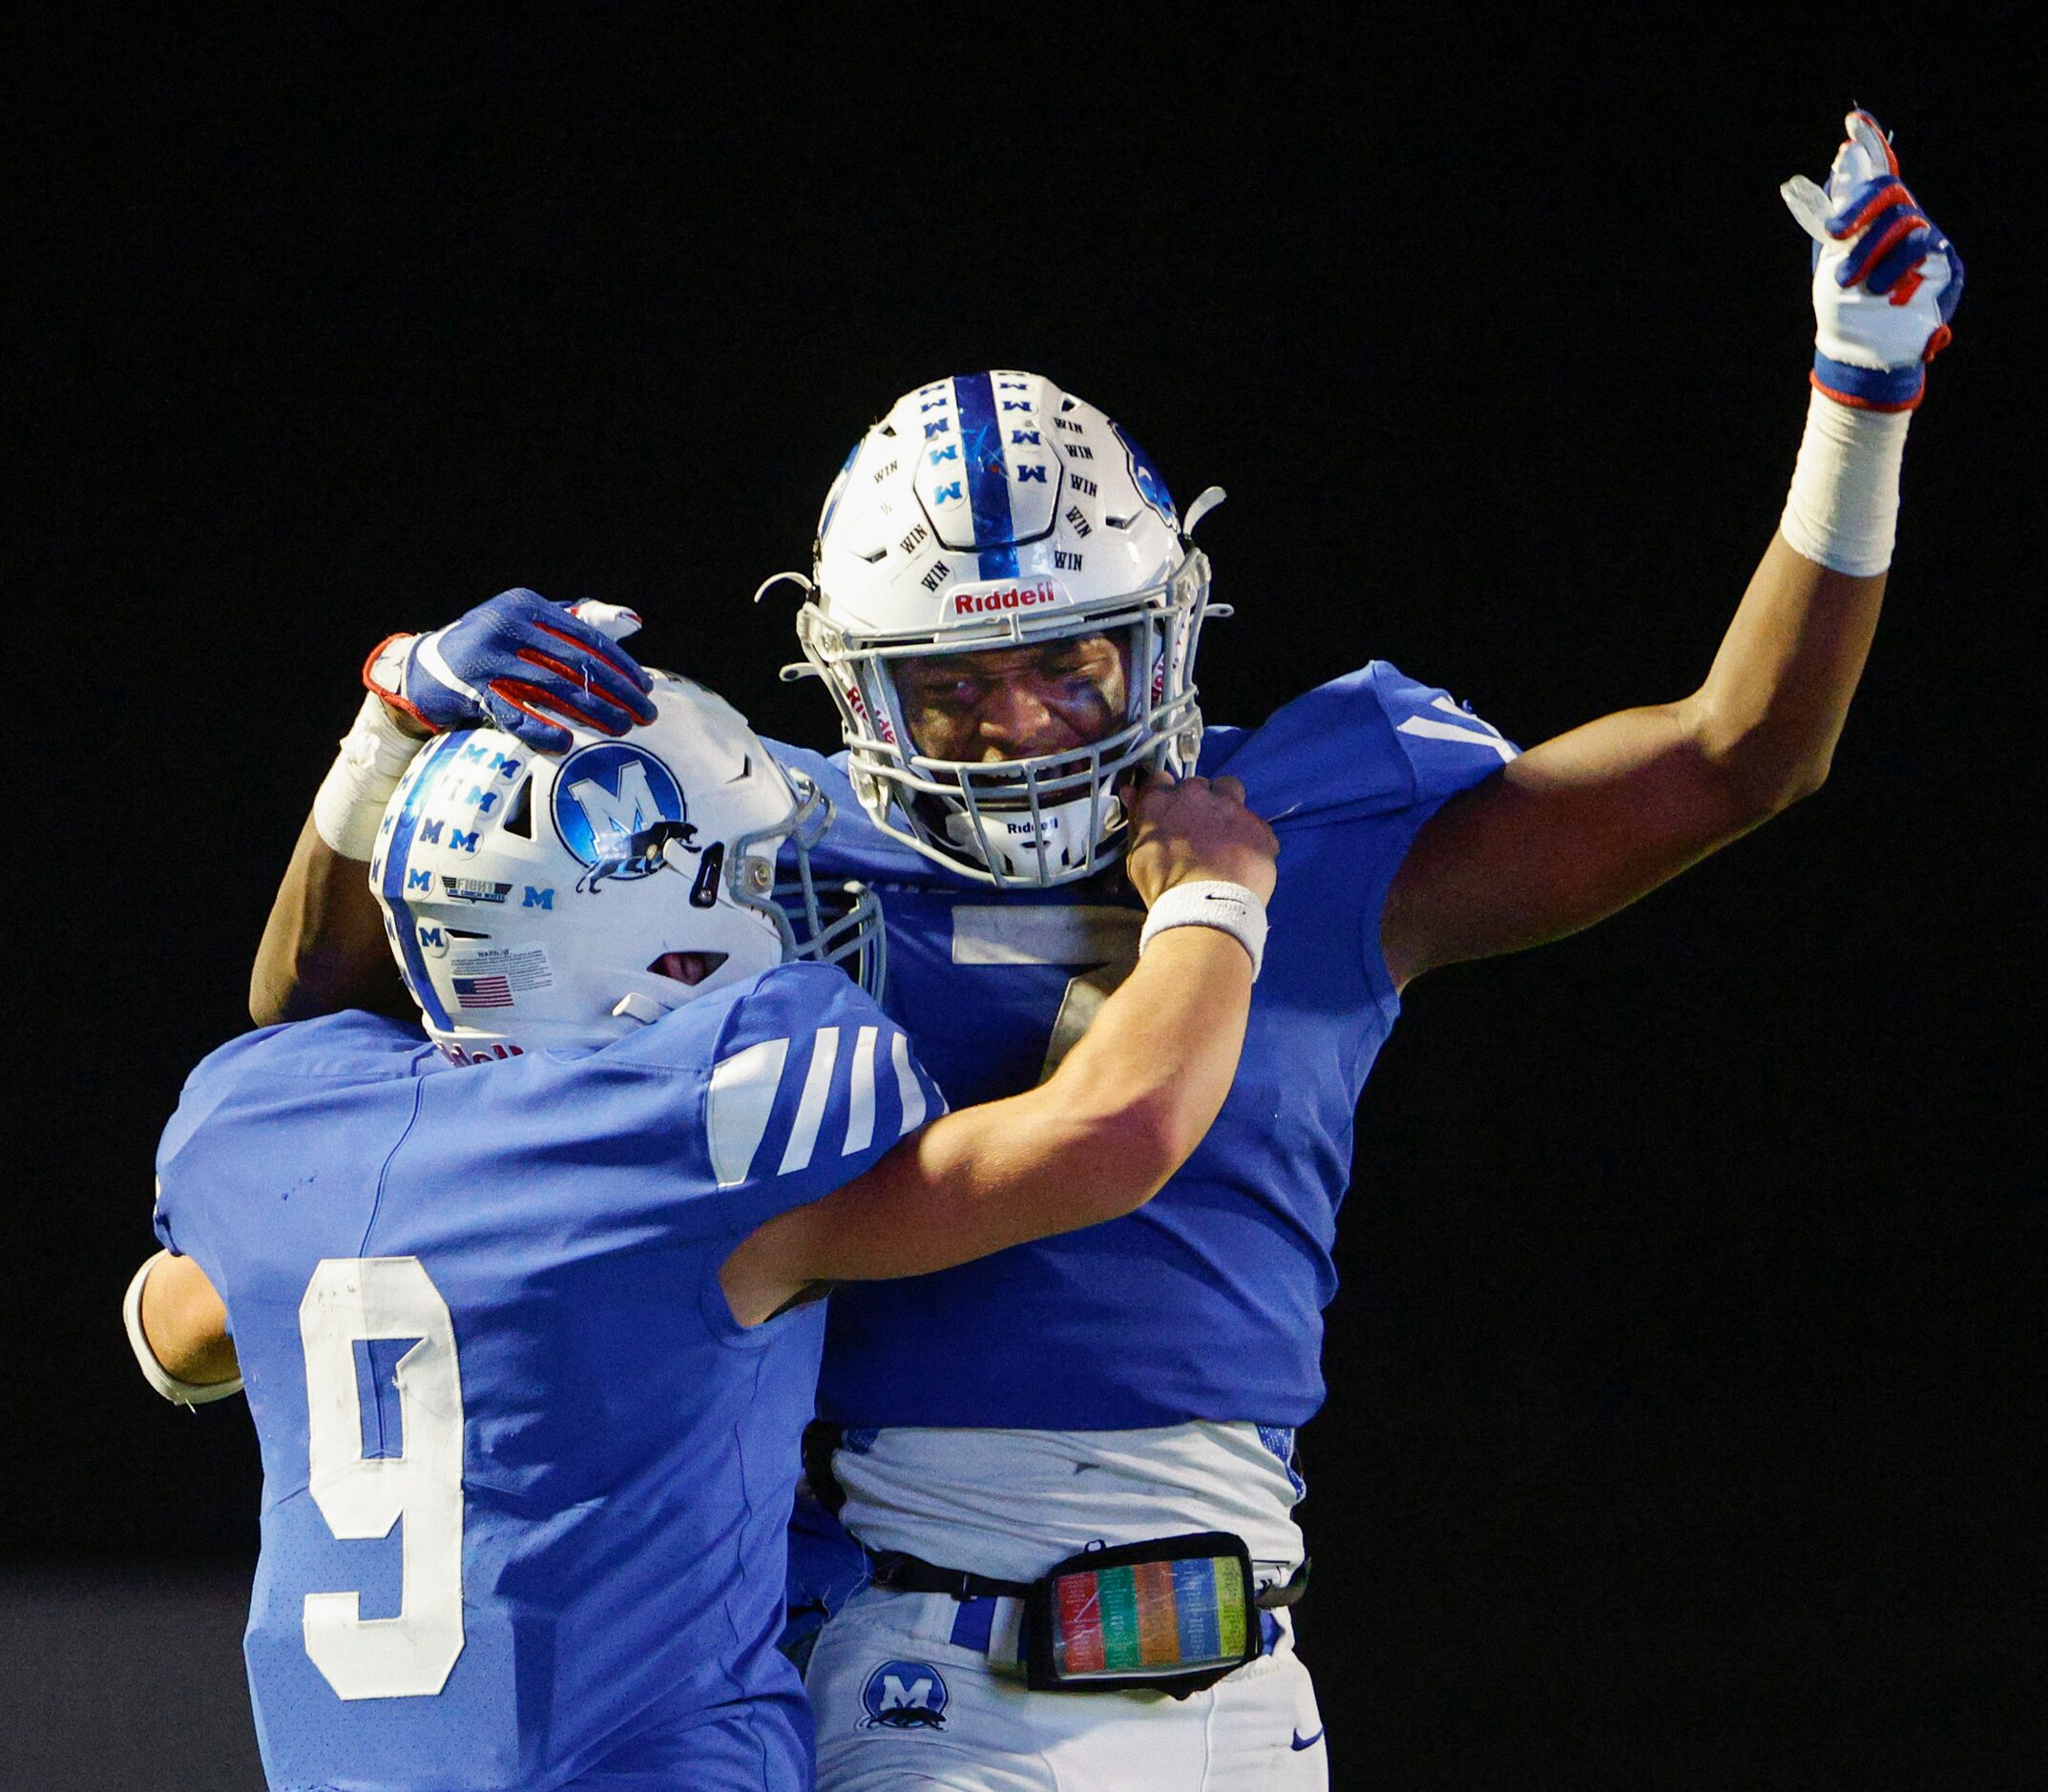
<point>494,977</point>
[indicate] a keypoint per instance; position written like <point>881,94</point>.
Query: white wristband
<point>348,808</point>
<point>1844,507</point>
<point>1229,908</point>
<point>183,1393</point>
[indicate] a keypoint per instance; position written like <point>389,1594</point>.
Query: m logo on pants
<point>905,1695</point>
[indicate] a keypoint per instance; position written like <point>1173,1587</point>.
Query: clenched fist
<point>1196,830</point>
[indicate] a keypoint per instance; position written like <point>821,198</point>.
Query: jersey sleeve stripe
<point>737,1108</point>
<point>861,1097</point>
<point>908,1090</point>
<point>1425,727</point>
<point>811,1110</point>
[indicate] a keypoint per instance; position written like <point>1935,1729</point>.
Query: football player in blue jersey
<point>527,1342</point>
<point>1005,605</point>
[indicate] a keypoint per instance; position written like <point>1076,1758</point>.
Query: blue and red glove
<point>522,664</point>
<point>1885,281</point>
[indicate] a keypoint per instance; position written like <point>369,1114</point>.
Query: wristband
<point>183,1393</point>
<point>349,807</point>
<point>1229,908</point>
<point>1843,511</point>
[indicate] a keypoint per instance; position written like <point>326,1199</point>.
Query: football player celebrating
<point>546,1312</point>
<point>1073,1462</point>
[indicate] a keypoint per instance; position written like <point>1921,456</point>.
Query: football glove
<point>522,664</point>
<point>1885,281</point>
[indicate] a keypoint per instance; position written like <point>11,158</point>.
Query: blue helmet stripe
<point>988,475</point>
<point>395,853</point>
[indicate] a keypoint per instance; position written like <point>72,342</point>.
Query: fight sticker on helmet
<point>473,889</point>
<point>495,976</point>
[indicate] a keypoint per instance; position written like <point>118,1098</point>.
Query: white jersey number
<point>1102,938</point>
<point>352,1299</point>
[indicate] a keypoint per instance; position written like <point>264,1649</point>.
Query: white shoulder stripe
<point>861,1097</point>
<point>811,1110</point>
<point>1431,730</point>
<point>908,1090</point>
<point>738,1106</point>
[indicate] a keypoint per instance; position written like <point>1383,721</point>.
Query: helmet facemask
<point>992,513</point>
<point>1040,820</point>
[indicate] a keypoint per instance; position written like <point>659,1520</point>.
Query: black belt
<point>901,1573</point>
<point>909,1574</point>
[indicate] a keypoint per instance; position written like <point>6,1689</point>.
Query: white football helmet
<point>534,900</point>
<point>994,511</point>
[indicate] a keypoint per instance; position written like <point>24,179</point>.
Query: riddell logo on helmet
<point>982,603</point>
<point>879,723</point>
<point>455,1054</point>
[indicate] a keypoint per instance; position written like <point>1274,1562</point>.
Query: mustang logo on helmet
<point>618,810</point>
<point>638,854</point>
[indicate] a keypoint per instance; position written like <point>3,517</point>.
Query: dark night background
<point>1685,1389</point>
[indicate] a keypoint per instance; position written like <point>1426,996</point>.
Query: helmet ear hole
<point>519,818</point>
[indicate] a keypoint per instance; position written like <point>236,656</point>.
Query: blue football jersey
<point>525,1478</point>
<point>1207,1303</point>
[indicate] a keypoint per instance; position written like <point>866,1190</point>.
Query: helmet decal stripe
<point>988,475</point>
<point>396,851</point>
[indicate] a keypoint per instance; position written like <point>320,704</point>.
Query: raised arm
<point>322,947</point>
<point>1098,1139</point>
<point>1586,822</point>
<point>518,661</point>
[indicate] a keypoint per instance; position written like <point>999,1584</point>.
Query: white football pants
<point>899,1704</point>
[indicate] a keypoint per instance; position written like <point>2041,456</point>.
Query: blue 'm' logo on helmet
<point>617,808</point>
<point>1150,485</point>
<point>905,1695</point>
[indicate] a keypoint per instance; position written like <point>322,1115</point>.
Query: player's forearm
<point>1773,705</point>
<point>1096,1142</point>
<point>323,947</point>
<point>1160,1056</point>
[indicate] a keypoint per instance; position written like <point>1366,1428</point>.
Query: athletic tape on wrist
<point>180,1393</point>
<point>1228,908</point>
<point>348,808</point>
<point>1842,510</point>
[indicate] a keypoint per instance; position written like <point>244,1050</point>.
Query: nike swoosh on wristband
<point>1300,1742</point>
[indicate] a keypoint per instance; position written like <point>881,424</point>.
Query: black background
<point>1683,1376</point>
